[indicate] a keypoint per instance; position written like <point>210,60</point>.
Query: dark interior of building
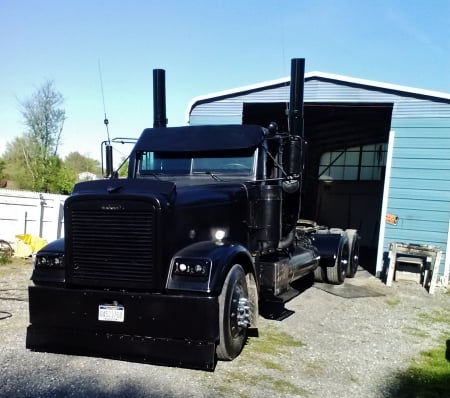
<point>344,203</point>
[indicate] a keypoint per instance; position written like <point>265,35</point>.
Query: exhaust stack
<point>296,97</point>
<point>159,98</point>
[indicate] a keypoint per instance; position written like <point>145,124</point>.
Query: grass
<point>314,368</point>
<point>282,386</point>
<point>392,302</point>
<point>239,383</point>
<point>5,259</point>
<point>272,341</point>
<point>270,364</point>
<point>436,316</point>
<point>428,375</point>
<point>267,373</point>
<point>415,332</point>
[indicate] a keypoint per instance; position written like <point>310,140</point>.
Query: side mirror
<point>108,171</point>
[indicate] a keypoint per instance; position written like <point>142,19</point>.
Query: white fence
<point>34,213</point>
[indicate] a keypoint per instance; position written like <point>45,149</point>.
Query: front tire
<point>234,314</point>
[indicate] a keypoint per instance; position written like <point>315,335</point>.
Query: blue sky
<point>205,46</point>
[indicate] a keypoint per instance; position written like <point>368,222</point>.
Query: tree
<point>123,172</point>
<point>64,178</point>
<point>59,178</point>
<point>3,181</point>
<point>15,169</point>
<point>44,119</point>
<point>32,159</point>
<point>2,168</point>
<point>80,163</point>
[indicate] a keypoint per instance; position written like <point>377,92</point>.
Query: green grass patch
<point>392,302</point>
<point>247,380</point>
<point>229,391</point>
<point>264,367</point>
<point>282,386</point>
<point>436,316</point>
<point>270,364</point>
<point>272,341</point>
<point>428,375</point>
<point>5,259</point>
<point>314,368</point>
<point>415,332</point>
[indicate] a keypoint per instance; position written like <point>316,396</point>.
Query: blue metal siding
<point>319,91</point>
<point>420,182</point>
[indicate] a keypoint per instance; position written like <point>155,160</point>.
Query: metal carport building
<point>378,155</point>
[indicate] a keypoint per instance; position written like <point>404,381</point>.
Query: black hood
<point>163,189</point>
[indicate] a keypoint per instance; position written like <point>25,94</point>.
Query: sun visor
<point>200,138</point>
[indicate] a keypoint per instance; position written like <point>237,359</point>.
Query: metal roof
<point>322,76</point>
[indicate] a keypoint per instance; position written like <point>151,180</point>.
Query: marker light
<point>198,268</point>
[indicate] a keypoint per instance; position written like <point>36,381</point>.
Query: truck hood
<point>164,190</point>
<point>210,193</point>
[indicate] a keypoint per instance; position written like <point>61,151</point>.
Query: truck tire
<point>336,273</point>
<point>234,314</point>
<point>353,259</point>
<point>320,274</point>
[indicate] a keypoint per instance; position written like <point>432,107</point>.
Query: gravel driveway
<point>331,346</point>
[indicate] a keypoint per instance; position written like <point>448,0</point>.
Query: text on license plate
<point>111,313</point>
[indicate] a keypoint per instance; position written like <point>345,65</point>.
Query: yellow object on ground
<point>28,244</point>
<point>21,249</point>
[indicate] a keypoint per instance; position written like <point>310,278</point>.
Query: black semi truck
<point>172,264</point>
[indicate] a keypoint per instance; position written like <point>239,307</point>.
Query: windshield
<point>179,164</point>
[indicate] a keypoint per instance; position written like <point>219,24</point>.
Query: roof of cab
<point>200,138</point>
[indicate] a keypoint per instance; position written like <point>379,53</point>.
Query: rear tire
<point>234,314</point>
<point>353,258</point>
<point>336,273</point>
<point>320,274</point>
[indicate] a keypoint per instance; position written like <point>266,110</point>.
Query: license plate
<point>111,313</point>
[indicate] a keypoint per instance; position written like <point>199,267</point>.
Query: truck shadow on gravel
<point>127,391</point>
<point>82,387</point>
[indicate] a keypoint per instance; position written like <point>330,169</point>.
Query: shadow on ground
<point>427,386</point>
<point>429,381</point>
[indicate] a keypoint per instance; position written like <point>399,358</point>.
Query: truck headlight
<point>192,267</point>
<point>54,260</point>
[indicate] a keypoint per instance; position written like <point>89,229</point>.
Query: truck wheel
<point>336,273</point>
<point>353,258</point>
<point>234,314</point>
<point>320,274</point>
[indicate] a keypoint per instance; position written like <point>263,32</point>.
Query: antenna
<point>109,172</point>
<point>105,120</point>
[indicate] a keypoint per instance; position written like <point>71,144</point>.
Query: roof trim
<point>285,81</point>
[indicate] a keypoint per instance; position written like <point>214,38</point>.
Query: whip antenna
<point>105,120</point>
<point>108,172</point>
